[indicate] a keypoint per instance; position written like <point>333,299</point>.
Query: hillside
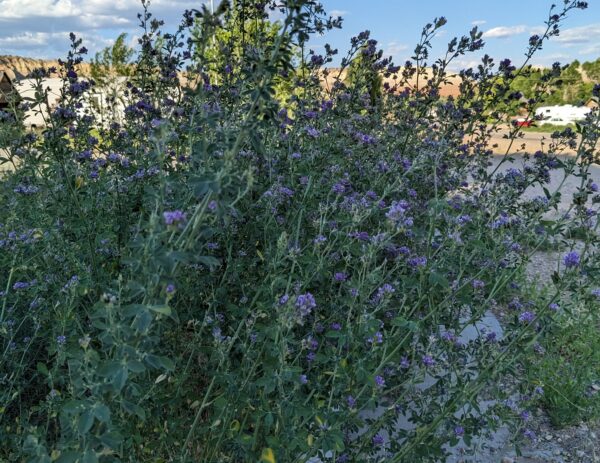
<point>18,67</point>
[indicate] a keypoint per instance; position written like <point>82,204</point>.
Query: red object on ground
<point>523,123</point>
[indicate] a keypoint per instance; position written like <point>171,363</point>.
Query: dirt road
<point>530,142</point>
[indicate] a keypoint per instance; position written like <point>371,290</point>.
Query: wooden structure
<point>6,90</point>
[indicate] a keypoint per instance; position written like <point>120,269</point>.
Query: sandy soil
<point>530,142</point>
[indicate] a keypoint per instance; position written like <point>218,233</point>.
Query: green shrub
<point>219,278</point>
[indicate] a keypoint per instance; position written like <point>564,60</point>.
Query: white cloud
<point>578,35</point>
<point>503,32</point>
<point>28,39</point>
<point>547,60</point>
<point>47,44</point>
<point>25,23</point>
<point>394,49</point>
<point>537,30</point>
<point>336,13</point>
<point>460,64</point>
<point>593,50</point>
<point>478,22</point>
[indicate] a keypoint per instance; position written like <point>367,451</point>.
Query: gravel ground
<point>530,142</point>
<point>574,444</point>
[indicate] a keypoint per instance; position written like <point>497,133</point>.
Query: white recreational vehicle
<point>106,101</point>
<point>561,115</point>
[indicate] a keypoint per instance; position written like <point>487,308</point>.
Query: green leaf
<point>133,310</point>
<point>89,457</point>
<point>68,457</point>
<point>111,439</point>
<point>102,413</point>
<point>162,309</point>
<point>109,369</point>
<point>210,261</point>
<point>142,321</point>
<point>42,369</point>
<point>158,362</point>
<point>85,422</point>
<point>136,366</point>
<point>133,409</point>
<point>437,279</point>
<point>120,378</point>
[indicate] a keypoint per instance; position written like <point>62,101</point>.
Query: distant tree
<point>114,60</point>
<point>592,70</point>
<point>363,76</point>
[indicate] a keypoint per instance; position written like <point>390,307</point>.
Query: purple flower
<point>459,431</point>
<point>382,291</point>
<point>539,349</point>
<point>448,336</point>
<point>404,362</point>
<point>338,188</point>
<point>26,189</point>
<point>526,317</point>
<point>416,262</point>
<point>156,123</point>
<point>491,337</point>
<point>378,440</point>
<point>553,306</point>
<point>463,219</point>
<point>285,191</point>
<point>428,361</point>
<point>283,299</point>
<point>305,303</point>
<point>170,288</point>
<point>572,259</point>
<point>596,292</point>
<point>340,276</point>
<point>217,334</point>
<point>351,401</point>
<point>319,239</point>
<point>311,131</point>
<point>212,205</point>
<point>478,284</point>
<point>61,339</point>
<point>397,210</point>
<point>303,379</point>
<point>529,434</point>
<point>376,339</point>
<point>335,326</point>
<point>361,236</point>
<point>379,381</point>
<point>501,221</point>
<point>20,285</point>
<point>173,217</point>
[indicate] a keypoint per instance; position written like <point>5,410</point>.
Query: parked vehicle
<point>522,122</point>
<point>561,115</point>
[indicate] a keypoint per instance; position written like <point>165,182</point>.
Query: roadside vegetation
<point>250,267</point>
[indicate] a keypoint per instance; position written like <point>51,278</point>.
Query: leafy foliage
<point>222,275</point>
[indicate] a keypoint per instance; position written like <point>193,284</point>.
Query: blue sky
<point>39,28</point>
<point>507,24</point>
